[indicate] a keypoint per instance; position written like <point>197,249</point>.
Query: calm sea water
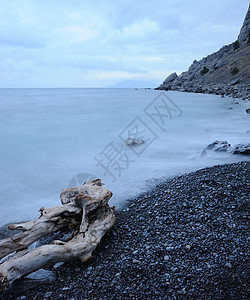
<point>54,138</point>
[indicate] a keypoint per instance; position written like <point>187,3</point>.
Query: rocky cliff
<point>225,72</point>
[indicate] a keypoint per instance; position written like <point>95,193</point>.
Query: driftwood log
<point>85,210</point>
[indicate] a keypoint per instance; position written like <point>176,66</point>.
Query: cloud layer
<point>78,43</point>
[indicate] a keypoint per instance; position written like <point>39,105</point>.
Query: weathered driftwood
<point>51,220</point>
<point>85,209</point>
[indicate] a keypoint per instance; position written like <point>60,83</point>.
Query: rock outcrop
<point>225,72</point>
<point>219,146</point>
<point>244,35</point>
<point>242,149</point>
<point>224,146</point>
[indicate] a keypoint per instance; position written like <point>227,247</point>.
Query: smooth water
<point>53,138</point>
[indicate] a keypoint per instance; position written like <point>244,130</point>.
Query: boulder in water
<point>133,142</point>
<point>219,146</point>
<point>242,149</point>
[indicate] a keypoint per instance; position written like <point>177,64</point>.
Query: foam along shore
<point>186,238</point>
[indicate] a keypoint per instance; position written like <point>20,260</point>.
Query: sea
<point>52,139</point>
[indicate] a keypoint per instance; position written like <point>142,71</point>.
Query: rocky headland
<point>225,72</point>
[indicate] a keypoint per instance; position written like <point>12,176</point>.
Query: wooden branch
<point>85,209</point>
<point>92,189</point>
<point>51,220</point>
<point>81,247</point>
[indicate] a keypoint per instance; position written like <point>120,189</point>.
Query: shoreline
<point>185,238</point>
<point>238,91</point>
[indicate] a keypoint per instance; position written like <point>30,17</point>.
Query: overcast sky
<point>81,43</point>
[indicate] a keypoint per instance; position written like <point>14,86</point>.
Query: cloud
<point>18,37</point>
<point>140,28</point>
<point>75,34</point>
<point>104,75</point>
<point>86,43</point>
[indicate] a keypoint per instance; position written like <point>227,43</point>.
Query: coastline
<point>235,90</point>
<point>225,72</point>
<point>185,238</point>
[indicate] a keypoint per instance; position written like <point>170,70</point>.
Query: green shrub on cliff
<point>204,70</point>
<point>234,70</point>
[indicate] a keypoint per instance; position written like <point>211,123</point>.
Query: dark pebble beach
<point>187,238</point>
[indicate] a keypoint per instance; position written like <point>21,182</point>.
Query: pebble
<point>228,265</point>
<point>169,249</point>
<point>47,295</point>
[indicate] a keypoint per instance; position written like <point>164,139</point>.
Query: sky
<point>81,43</point>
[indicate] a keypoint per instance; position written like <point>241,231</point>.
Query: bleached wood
<point>81,247</point>
<point>88,203</point>
<point>51,220</point>
<point>92,189</point>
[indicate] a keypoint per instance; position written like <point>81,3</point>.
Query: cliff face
<point>226,71</point>
<point>244,36</point>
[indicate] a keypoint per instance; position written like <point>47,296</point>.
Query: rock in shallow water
<point>242,149</point>
<point>224,146</point>
<point>133,142</point>
<point>219,146</point>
